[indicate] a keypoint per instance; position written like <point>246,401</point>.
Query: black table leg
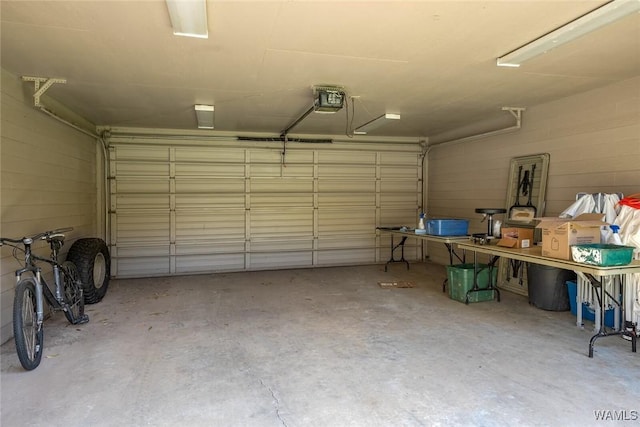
<point>602,332</point>
<point>490,287</point>
<point>393,249</point>
<point>452,253</point>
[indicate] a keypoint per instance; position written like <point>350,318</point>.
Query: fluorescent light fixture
<point>189,17</point>
<point>607,14</point>
<point>375,123</point>
<point>204,114</point>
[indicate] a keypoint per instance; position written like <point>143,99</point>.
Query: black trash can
<point>547,289</point>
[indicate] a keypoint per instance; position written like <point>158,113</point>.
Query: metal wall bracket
<point>516,112</point>
<point>41,89</point>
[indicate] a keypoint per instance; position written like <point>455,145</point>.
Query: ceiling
<point>431,61</point>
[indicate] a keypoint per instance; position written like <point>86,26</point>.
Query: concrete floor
<point>317,347</point>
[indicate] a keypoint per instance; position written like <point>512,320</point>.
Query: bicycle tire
<point>73,294</point>
<point>91,256</point>
<point>28,336</point>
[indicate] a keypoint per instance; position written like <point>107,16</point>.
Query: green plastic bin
<point>602,254</point>
<point>460,278</point>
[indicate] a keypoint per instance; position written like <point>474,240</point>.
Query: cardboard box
<point>516,237</point>
<point>558,234</point>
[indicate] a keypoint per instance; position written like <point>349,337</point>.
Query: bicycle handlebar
<point>40,236</point>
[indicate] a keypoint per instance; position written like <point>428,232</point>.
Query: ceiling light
<point>375,123</point>
<point>189,17</point>
<point>204,114</point>
<point>593,20</point>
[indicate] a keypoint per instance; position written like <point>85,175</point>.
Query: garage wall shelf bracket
<point>40,90</point>
<point>516,112</point>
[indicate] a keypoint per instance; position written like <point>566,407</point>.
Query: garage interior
<point>245,257</point>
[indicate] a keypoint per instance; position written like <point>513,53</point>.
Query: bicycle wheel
<point>29,337</point>
<point>72,293</point>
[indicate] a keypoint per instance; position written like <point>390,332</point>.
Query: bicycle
<point>31,286</point>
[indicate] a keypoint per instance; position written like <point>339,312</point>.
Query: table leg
<point>393,249</point>
<point>490,287</point>
<point>602,332</point>
<point>452,253</point>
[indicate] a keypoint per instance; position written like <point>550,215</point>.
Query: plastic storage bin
<point>448,227</point>
<point>460,278</point>
<point>587,312</point>
<point>547,289</point>
<point>602,254</point>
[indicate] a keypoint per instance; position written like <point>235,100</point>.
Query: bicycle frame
<point>31,292</point>
<point>42,287</point>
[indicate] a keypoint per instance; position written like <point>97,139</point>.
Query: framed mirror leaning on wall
<point>526,195</point>
<point>526,190</point>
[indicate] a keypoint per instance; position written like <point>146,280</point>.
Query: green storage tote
<point>460,278</point>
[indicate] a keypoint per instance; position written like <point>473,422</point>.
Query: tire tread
<point>82,253</point>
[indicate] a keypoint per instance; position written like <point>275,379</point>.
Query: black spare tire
<point>91,256</point>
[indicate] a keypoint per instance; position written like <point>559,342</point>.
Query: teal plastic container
<point>602,254</point>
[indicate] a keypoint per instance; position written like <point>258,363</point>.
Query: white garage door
<point>195,207</point>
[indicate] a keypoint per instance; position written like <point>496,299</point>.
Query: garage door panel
<point>142,201</point>
<point>262,170</point>
<point>142,169</point>
<point>212,207</point>
<point>274,156</point>
<point>281,260</point>
<point>398,172</point>
<point>194,226</point>
<point>287,222</point>
<point>347,157</point>
<point>347,241</point>
<point>220,245</point>
<point>209,201</point>
<point>348,199</point>
<point>208,263</point>
<point>143,267</point>
<point>266,185</point>
<point>141,154</point>
<point>143,227</point>
<point>213,155</point>
<point>140,250</point>
<point>283,200</point>
<point>397,217</point>
<point>207,169</point>
<point>396,158</point>
<point>340,221</point>
<point>210,185</point>
<point>346,186</point>
<point>271,244</point>
<point>141,186</point>
<point>406,200</point>
<point>361,171</point>
<point>346,256</point>
<point>400,185</point>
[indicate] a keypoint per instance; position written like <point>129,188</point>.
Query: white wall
<point>593,140</point>
<point>48,180</point>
